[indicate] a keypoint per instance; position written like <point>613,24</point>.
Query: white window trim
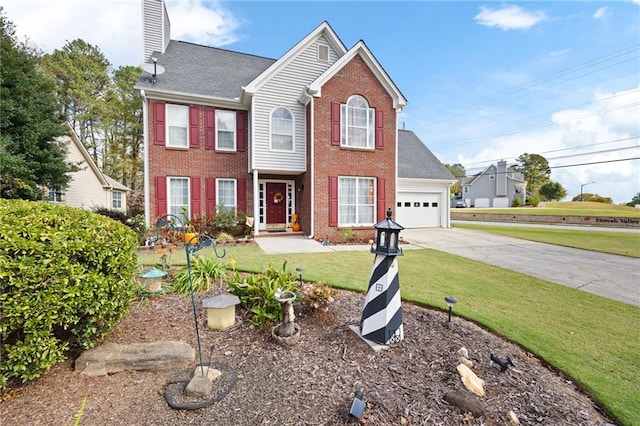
<point>370,128</point>
<point>375,200</point>
<point>169,205</point>
<point>320,58</point>
<point>235,136</point>
<point>293,131</point>
<point>167,122</point>
<point>118,199</point>
<point>235,192</point>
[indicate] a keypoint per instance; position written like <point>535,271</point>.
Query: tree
<point>30,122</point>
<point>458,171</point>
<point>635,200</point>
<point>553,191</point>
<point>535,169</point>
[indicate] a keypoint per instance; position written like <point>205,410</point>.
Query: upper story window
<point>178,197</point>
<point>116,200</point>
<point>226,194</point>
<point>323,52</point>
<point>357,124</point>
<point>356,201</point>
<point>281,130</point>
<point>226,130</point>
<point>177,125</point>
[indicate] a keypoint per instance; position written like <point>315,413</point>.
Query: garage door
<point>418,209</point>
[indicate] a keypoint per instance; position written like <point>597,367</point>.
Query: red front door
<point>277,204</point>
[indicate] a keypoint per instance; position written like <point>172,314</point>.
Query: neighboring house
<point>423,185</point>
<point>313,133</point>
<point>496,186</point>
<point>88,187</point>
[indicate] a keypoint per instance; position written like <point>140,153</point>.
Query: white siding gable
<point>283,90</point>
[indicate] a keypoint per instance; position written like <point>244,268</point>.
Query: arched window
<point>281,130</point>
<point>358,123</point>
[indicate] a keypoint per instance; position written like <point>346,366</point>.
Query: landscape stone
<point>113,357</point>
<point>199,386</point>
<point>466,402</point>
<point>470,380</point>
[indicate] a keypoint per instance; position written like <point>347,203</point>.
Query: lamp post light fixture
<point>299,270</point>
<point>450,302</point>
<point>582,186</point>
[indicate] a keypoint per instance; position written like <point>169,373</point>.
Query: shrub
<point>517,202</point>
<point>135,222</point>
<point>66,275</point>
<point>203,272</point>
<point>533,201</point>
<point>257,293</point>
<point>317,296</point>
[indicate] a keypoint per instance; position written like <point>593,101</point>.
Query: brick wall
<point>354,79</point>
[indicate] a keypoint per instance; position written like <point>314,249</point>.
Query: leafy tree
<point>459,172</point>
<point>535,169</point>
<point>553,191</point>
<point>635,200</point>
<point>30,122</point>
<point>81,72</point>
<point>582,197</point>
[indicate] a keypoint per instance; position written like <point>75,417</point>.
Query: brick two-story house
<point>313,133</point>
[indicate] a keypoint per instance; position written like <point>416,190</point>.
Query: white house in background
<point>496,186</point>
<point>88,187</point>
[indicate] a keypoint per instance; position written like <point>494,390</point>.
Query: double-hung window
<point>116,200</point>
<point>177,125</point>
<point>226,194</point>
<point>281,130</point>
<point>357,124</point>
<point>178,197</point>
<point>226,130</point>
<point>356,201</point>
<point>56,195</point>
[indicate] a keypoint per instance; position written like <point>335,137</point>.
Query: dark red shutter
<point>158,123</point>
<point>194,127</point>
<point>379,129</point>
<point>382,210</point>
<point>210,191</point>
<point>161,196</point>
<point>241,131</point>
<point>210,128</point>
<point>242,195</point>
<point>196,198</point>
<point>335,124</point>
<point>333,200</point>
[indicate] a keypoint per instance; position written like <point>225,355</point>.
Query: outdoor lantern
<point>299,270</point>
<point>153,279</point>
<point>450,302</point>
<point>387,232</point>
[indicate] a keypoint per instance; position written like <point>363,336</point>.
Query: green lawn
<point>622,243</point>
<point>565,208</point>
<point>594,340</point>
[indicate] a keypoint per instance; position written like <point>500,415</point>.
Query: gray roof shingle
<point>204,71</point>
<point>416,161</point>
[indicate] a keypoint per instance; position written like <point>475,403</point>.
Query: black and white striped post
<point>381,320</point>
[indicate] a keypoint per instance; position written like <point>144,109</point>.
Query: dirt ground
<point>313,382</point>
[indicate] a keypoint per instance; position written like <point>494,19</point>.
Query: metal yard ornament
<point>381,320</point>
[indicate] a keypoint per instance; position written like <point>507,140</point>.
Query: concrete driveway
<point>612,276</point>
<point>607,275</point>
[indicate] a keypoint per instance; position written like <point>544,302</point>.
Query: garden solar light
<point>450,302</point>
<point>299,270</point>
<point>357,406</point>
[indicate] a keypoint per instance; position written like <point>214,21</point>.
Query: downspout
<point>312,167</point>
<point>145,133</point>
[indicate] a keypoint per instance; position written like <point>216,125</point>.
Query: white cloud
<point>509,18</point>
<point>562,52</point>
<point>601,12</point>
<point>210,25</point>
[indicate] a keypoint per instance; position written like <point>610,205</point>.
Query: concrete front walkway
<point>607,275</point>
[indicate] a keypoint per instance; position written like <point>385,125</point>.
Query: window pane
<point>226,193</point>
<point>357,123</point>
<point>177,121</point>
<point>282,129</point>
<point>179,197</point>
<point>356,204</point>
<point>226,129</point>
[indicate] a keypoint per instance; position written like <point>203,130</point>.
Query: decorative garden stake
<point>381,320</point>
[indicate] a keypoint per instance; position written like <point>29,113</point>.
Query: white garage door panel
<point>418,209</point>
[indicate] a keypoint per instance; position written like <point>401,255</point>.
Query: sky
<point>485,80</point>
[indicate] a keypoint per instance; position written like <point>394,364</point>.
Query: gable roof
<point>202,71</point>
<point>363,51</point>
<point>416,161</point>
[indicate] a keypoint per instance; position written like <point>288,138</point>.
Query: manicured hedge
<point>66,277</point>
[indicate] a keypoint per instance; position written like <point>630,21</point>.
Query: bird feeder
<point>387,232</point>
<point>153,279</point>
<point>221,311</point>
